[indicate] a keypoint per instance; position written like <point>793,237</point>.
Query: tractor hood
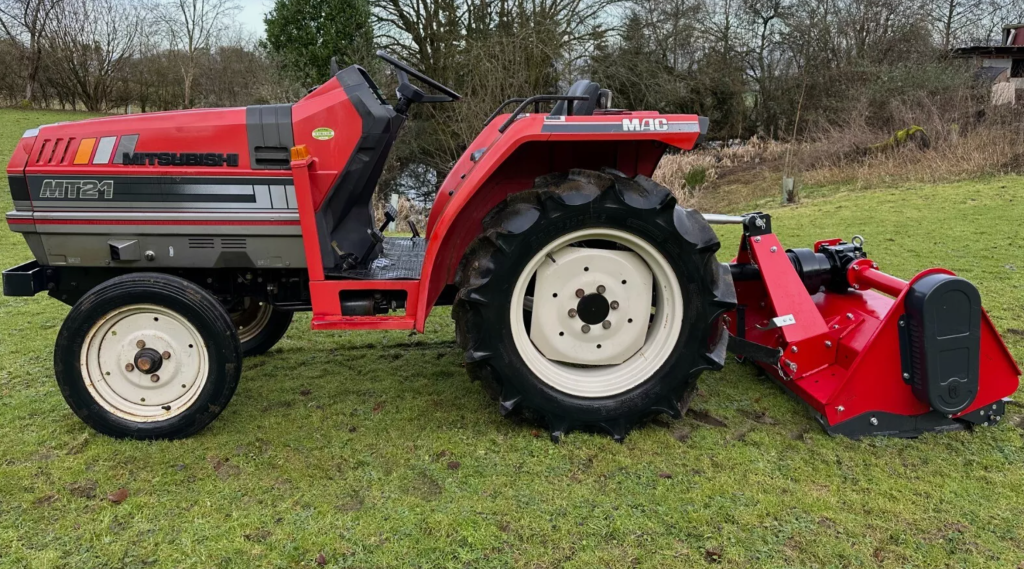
<point>207,142</point>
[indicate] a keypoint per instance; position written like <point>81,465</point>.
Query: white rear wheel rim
<point>607,380</point>
<point>122,389</point>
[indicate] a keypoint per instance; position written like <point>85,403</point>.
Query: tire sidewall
<point>193,304</point>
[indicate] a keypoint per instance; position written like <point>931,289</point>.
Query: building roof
<point>989,74</point>
<point>990,51</point>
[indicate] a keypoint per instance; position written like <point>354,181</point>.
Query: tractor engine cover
<point>941,342</point>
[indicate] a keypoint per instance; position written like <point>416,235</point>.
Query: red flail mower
<point>581,292</point>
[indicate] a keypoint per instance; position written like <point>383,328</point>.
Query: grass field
<point>374,449</point>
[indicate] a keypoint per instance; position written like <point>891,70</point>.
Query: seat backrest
<point>585,88</point>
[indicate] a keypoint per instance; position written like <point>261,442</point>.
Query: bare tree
<point>432,33</point>
<point>1005,12</point>
<point>28,21</point>
<point>92,42</point>
<point>956,20</point>
<point>193,28</point>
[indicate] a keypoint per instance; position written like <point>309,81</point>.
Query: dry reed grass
<point>960,147</point>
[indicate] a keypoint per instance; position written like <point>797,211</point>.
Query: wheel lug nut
<point>580,292</point>
<point>166,355</point>
<point>140,344</point>
<point>129,367</point>
<point>154,378</point>
<point>606,324</point>
<point>601,289</point>
<point>614,305</point>
<point>586,328</point>
<point>572,313</point>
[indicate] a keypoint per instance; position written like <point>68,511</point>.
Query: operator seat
<point>598,99</point>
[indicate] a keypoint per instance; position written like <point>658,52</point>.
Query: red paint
<point>326,107</point>
<point>326,298</point>
<point>861,372</point>
<point>307,218</point>
<point>864,274</point>
<point>786,296</point>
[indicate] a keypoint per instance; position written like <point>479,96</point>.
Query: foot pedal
<point>376,238</point>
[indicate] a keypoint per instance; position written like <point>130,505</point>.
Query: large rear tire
<point>592,301</point>
<point>260,325</point>
<point>147,356</point>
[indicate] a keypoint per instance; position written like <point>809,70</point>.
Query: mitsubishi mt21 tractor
<point>581,291</point>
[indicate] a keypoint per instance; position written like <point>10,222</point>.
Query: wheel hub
<point>148,360</point>
<point>591,306</point>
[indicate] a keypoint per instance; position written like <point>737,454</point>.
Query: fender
<point>496,165</point>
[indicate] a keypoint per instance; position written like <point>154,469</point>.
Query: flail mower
<point>581,292</point>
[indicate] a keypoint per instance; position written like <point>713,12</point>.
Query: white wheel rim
<point>247,330</point>
<point>113,343</point>
<point>606,380</point>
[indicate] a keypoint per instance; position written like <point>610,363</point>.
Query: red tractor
<point>580,290</point>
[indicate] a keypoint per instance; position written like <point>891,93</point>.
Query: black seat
<point>585,88</point>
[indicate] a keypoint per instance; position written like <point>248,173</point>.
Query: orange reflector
<point>299,152</point>
<point>85,150</point>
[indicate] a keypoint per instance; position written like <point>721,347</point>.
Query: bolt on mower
<point>581,291</point>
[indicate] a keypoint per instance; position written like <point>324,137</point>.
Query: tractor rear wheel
<point>259,324</point>
<point>147,356</point>
<point>593,302</point>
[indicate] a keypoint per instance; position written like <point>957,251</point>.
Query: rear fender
<point>496,165</point>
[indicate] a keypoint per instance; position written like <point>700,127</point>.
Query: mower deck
<point>868,353</point>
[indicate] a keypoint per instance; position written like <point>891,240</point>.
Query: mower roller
<point>582,293</point>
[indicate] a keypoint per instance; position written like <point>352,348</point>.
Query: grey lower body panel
<point>242,250</point>
<point>164,240</point>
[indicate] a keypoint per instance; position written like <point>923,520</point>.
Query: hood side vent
<point>53,151</point>
<point>200,243</point>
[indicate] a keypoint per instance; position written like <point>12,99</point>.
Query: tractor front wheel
<point>592,301</point>
<point>147,356</point>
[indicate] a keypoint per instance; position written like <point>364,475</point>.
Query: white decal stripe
<point>152,215</point>
<point>104,149</point>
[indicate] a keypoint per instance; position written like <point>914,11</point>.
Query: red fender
<point>498,164</point>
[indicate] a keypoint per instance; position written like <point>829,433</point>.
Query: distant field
<point>375,450</point>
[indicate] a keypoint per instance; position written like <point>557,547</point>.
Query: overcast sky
<point>250,18</point>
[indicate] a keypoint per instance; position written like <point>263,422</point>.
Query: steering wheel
<point>409,93</point>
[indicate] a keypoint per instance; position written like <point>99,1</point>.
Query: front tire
<point>147,356</point>
<point>592,301</point>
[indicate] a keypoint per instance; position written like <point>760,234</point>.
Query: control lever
<point>390,215</point>
<point>415,232</point>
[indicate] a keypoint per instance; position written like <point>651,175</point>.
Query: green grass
<point>375,450</point>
